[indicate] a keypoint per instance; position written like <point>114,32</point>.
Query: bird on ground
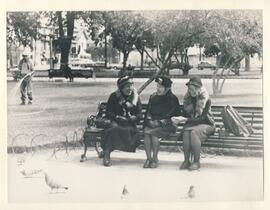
<point>53,184</point>
<point>124,192</point>
<point>20,161</point>
<point>191,192</point>
<point>29,173</point>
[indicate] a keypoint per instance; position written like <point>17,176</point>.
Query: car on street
<point>176,65</point>
<point>205,64</point>
<point>84,61</point>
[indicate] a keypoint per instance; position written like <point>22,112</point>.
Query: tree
<point>146,40</point>
<point>232,35</point>
<point>23,27</point>
<point>183,31</point>
<point>64,24</point>
<point>125,28</point>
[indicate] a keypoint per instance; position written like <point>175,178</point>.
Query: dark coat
<point>122,135</point>
<point>160,109</point>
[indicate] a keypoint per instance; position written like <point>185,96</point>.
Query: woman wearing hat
<point>198,119</point>
<point>162,105</point>
<point>124,110</point>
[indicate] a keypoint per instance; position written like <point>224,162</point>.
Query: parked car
<point>115,65</point>
<point>176,65</point>
<point>81,60</point>
<point>206,64</point>
<point>136,72</point>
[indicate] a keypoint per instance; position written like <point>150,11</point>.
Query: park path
<point>221,178</point>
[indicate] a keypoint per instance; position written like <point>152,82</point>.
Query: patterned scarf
<point>201,100</point>
<point>127,102</point>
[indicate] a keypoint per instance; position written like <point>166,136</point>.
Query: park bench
<point>220,140</point>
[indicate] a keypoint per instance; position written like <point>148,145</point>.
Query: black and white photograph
<point>134,105</point>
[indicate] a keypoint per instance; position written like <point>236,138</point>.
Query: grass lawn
<point>61,107</point>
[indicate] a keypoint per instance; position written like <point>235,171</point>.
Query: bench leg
<point>83,156</point>
<point>99,150</point>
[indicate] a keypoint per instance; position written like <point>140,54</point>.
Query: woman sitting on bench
<point>162,105</point>
<point>199,122</point>
<point>124,110</point>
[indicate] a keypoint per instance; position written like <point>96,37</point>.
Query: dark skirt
<point>160,132</point>
<point>124,138</point>
<point>203,131</point>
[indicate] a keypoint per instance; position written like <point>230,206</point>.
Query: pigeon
<point>191,192</point>
<point>124,192</point>
<point>29,173</point>
<point>53,184</point>
<point>20,161</point>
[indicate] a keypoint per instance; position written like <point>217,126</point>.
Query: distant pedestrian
<point>26,71</point>
<point>67,72</point>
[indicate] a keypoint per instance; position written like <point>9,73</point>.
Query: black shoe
<point>29,102</point>
<point>107,162</point>
<point>184,165</point>
<point>154,164</point>
<point>83,158</point>
<point>194,166</point>
<point>23,103</point>
<point>107,159</point>
<point>147,164</point>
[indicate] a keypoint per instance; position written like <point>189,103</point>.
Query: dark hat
<point>164,81</point>
<point>195,80</point>
<point>122,81</point>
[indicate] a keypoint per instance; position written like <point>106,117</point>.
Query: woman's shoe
<point>147,164</point>
<point>106,162</point>
<point>154,164</point>
<point>194,166</point>
<point>107,159</point>
<point>184,165</point>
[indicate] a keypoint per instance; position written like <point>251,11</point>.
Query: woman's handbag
<point>98,122</point>
<point>235,123</point>
<point>102,122</point>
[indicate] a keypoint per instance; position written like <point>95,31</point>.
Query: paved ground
<point>219,179</point>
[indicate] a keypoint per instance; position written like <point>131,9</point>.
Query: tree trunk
<point>200,58</point>
<point>141,52</point>
<point>105,51</point>
<point>247,63</point>
<point>65,41</point>
<point>125,59</point>
<point>65,47</point>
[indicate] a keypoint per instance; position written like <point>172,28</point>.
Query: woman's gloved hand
<point>121,120</point>
<point>133,118</point>
<point>153,123</point>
